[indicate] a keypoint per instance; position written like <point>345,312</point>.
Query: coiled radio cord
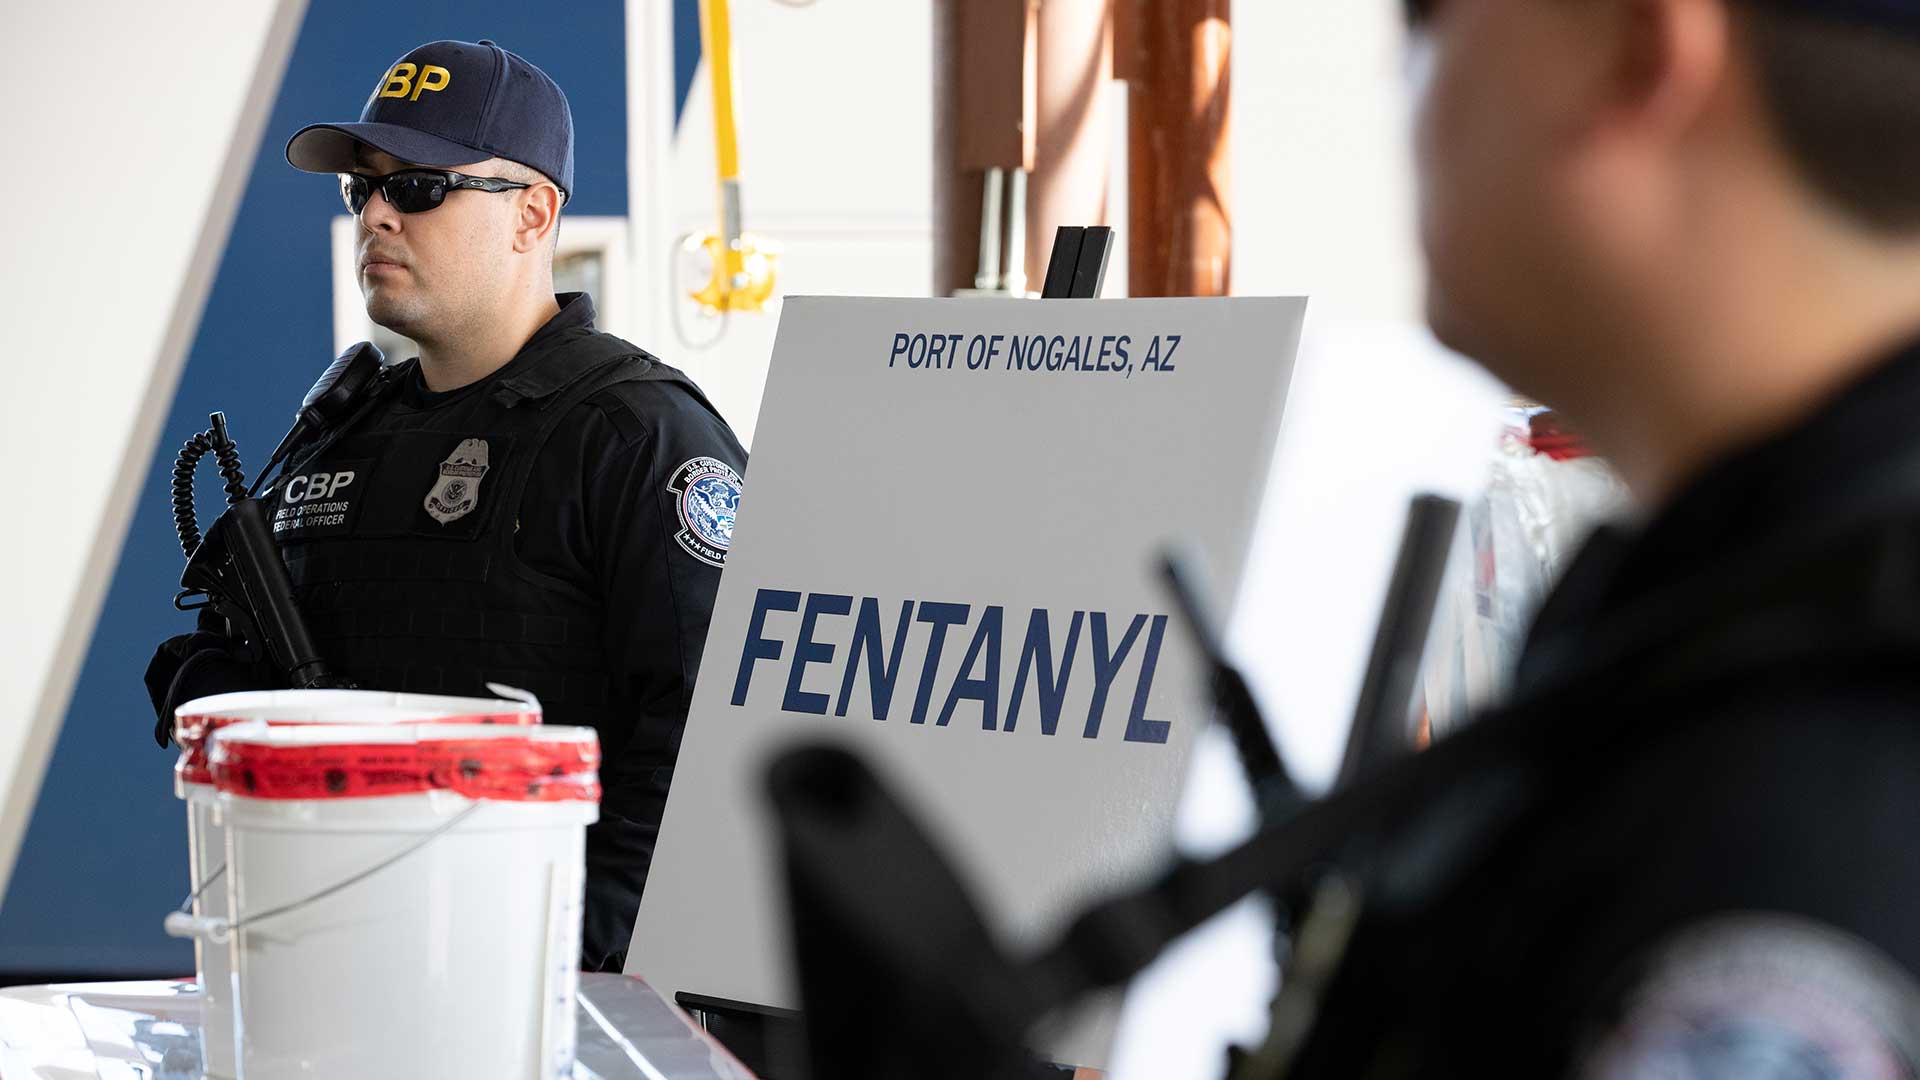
<point>227,459</point>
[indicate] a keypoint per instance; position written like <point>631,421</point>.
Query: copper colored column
<point>1176,57</point>
<point>1073,154</point>
<point>983,102</point>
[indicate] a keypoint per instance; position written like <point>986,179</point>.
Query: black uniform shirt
<point>617,540</point>
<point>599,512</point>
<point>1712,868</point>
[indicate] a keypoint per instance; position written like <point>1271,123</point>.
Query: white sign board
<point>945,558</point>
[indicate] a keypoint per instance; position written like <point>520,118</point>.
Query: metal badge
<point>457,491</point>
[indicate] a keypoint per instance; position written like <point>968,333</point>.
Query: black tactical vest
<point>399,536</point>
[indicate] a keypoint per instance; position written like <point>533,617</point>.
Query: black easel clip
<point>1078,266</point>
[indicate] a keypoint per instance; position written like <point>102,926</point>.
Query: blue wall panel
<point>686,53</point>
<point>105,855</point>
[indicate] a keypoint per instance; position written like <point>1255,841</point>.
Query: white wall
<point>834,103</point>
<point>1323,191</point>
<point>105,280</point>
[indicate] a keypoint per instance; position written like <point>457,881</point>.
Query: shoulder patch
<point>1764,996</point>
<point>706,492</point>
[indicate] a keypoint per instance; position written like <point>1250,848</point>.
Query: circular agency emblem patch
<point>707,492</point>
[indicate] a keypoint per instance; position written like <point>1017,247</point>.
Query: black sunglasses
<point>413,191</point>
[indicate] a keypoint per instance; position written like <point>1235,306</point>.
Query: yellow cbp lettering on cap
<point>399,81</point>
<point>427,81</point>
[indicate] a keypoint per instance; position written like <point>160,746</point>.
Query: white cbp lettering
<point>317,485</point>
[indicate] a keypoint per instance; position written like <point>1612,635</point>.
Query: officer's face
<point>1510,149</point>
<point>426,273</point>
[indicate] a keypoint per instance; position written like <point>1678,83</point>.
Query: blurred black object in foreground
<point>900,977</point>
<point>898,972</point>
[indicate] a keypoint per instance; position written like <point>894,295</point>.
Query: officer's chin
<point>389,311</point>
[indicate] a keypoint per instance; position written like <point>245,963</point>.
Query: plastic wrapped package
<point>1545,494</point>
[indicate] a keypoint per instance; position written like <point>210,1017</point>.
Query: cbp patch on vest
<point>707,492</point>
<point>321,502</point>
<point>457,491</point>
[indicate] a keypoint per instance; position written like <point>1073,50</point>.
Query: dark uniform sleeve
<point>1762,921</point>
<point>1718,886</point>
<point>654,522</point>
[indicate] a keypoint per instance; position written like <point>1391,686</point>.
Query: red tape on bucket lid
<point>529,764</point>
<point>196,721</point>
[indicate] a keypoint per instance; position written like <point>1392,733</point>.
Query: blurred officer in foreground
<point>1694,227</point>
<point>531,501</point>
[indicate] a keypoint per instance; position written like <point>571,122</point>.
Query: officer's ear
<point>1667,60</point>
<point>538,218</point>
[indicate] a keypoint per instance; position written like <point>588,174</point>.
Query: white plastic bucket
<point>194,724</point>
<point>206,861</point>
<point>406,899</point>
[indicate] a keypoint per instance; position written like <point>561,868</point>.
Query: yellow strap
<point>716,33</point>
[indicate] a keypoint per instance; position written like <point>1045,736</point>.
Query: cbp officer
<point>530,501</point>
<point>1687,848</point>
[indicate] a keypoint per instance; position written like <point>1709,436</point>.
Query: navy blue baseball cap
<point>450,103</point>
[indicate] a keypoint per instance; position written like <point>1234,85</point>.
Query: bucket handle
<point>182,923</point>
<point>514,693</point>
